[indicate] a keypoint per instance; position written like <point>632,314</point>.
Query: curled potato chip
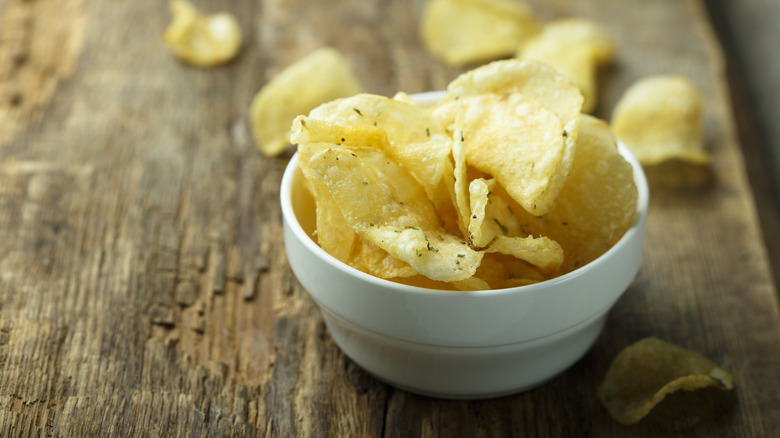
<point>574,47</point>
<point>320,77</point>
<point>644,373</point>
<point>461,32</point>
<point>659,118</point>
<point>407,228</point>
<point>481,231</point>
<point>200,39</point>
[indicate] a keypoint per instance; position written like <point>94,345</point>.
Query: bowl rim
<point>288,214</point>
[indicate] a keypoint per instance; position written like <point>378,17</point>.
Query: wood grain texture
<point>144,288</point>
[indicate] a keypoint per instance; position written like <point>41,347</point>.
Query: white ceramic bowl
<point>465,345</point>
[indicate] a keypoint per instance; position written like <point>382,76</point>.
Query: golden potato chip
<point>199,39</point>
<point>542,252</point>
<point>519,142</point>
<point>408,229</point>
<point>644,373</point>
<point>659,118</point>
<point>537,82</point>
<point>596,204</point>
<point>461,32</point>
<point>415,138</point>
<point>460,182</point>
<point>307,130</point>
<point>320,77</point>
<point>530,78</point>
<point>334,234</point>
<point>574,47</point>
<point>481,231</point>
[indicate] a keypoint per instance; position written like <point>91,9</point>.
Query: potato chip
<point>415,138</point>
<point>659,118</point>
<point>537,82</point>
<point>542,252</point>
<point>480,230</point>
<point>518,141</point>
<point>199,39</point>
<point>307,130</point>
<point>460,182</point>
<point>318,78</point>
<point>406,228</point>
<point>574,47</point>
<point>462,32</point>
<point>644,373</point>
<point>596,204</point>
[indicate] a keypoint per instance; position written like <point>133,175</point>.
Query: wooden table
<point>144,288</point>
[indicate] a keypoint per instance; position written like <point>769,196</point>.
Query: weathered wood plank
<point>144,288</point>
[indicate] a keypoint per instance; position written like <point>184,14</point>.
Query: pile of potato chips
<point>502,183</point>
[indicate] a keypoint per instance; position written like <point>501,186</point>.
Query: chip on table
<point>463,32</point>
<point>659,119</point>
<point>576,48</point>
<point>647,371</point>
<point>199,39</point>
<point>319,77</point>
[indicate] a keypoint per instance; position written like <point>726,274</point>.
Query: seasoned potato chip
<point>334,234</point>
<point>415,138</point>
<point>481,230</point>
<point>537,82</point>
<point>406,228</point>
<point>461,32</point>
<point>597,204</point>
<point>519,142</point>
<point>574,47</point>
<point>307,130</point>
<point>645,372</point>
<point>461,182</point>
<point>659,118</point>
<point>199,39</point>
<point>318,78</point>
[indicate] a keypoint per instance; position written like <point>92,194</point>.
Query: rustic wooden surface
<point>144,289</point>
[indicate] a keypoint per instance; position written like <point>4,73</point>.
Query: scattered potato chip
<point>199,39</point>
<point>318,78</point>
<point>574,47</point>
<point>462,32</point>
<point>645,372</point>
<point>659,118</point>
<point>406,228</point>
